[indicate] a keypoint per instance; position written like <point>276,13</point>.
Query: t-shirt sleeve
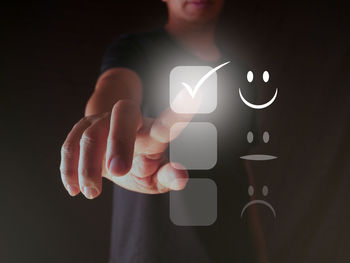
<point>125,52</point>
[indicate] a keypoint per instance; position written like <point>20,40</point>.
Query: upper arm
<point>114,84</point>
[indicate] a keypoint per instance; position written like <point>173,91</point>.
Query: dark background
<point>50,58</point>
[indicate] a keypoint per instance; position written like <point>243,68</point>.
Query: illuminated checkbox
<point>195,147</point>
<point>196,205</point>
<point>194,79</point>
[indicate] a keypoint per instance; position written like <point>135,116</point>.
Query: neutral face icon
<point>258,157</point>
<point>265,192</point>
<point>250,78</point>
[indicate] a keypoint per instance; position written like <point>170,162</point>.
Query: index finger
<point>125,121</point>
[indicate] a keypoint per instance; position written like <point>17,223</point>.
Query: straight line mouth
<point>258,157</point>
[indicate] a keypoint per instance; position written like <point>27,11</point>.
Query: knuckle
<point>90,172</point>
<point>88,138</point>
<point>105,115</point>
<point>95,133</point>
<point>87,120</point>
<point>67,172</point>
<point>68,148</point>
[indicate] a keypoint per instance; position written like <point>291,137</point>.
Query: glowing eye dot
<point>250,76</point>
<point>250,190</point>
<point>250,137</point>
<point>266,76</point>
<point>266,137</point>
<point>265,190</point>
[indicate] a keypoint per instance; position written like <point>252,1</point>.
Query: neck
<point>198,39</point>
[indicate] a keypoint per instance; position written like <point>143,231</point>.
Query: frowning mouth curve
<point>258,157</point>
<point>258,106</point>
<point>258,202</point>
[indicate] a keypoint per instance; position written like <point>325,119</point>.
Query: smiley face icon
<point>265,192</point>
<point>250,78</point>
<point>258,157</point>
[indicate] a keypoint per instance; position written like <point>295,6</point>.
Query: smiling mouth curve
<point>258,106</point>
<point>258,157</point>
<point>258,202</point>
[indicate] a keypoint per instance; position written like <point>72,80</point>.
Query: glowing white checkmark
<point>194,90</point>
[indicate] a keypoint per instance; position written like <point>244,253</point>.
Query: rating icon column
<point>260,156</point>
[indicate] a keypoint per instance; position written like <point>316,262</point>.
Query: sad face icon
<point>265,192</point>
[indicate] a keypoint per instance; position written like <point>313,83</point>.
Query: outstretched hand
<point>126,148</point>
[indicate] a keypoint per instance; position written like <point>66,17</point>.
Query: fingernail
<point>72,190</point>
<point>117,166</point>
<point>90,192</point>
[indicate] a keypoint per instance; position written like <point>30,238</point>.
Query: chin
<point>200,19</point>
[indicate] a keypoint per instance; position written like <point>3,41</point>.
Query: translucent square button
<point>195,79</point>
<point>195,147</point>
<point>196,205</point>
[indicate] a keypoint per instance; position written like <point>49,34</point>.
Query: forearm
<point>112,86</point>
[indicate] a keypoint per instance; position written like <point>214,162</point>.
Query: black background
<point>50,59</point>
